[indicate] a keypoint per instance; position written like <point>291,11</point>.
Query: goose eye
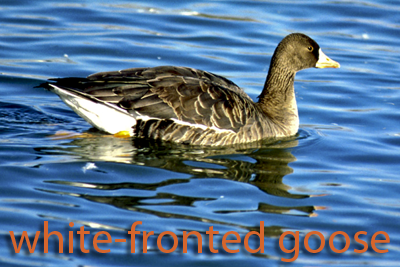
<point>310,48</point>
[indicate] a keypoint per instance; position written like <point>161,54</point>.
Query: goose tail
<point>100,114</point>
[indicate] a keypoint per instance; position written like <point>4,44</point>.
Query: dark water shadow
<point>262,165</point>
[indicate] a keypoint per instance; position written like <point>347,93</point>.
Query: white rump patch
<point>102,115</point>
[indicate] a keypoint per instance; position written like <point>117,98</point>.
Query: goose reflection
<point>262,165</point>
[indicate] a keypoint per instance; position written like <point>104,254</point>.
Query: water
<point>339,174</point>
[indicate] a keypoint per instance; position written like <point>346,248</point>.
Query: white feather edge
<point>108,117</point>
<point>203,127</point>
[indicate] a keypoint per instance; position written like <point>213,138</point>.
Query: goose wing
<point>178,93</point>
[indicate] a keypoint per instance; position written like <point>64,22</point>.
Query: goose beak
<point>325,62</point>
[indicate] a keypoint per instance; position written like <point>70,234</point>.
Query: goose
<point>191,106</point>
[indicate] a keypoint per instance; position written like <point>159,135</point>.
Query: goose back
<point>178,104</point>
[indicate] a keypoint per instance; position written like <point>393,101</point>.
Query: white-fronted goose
<point>192,106</point>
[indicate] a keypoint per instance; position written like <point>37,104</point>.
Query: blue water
<point>341,173</point>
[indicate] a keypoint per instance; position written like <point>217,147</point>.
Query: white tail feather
<point>102,115</point>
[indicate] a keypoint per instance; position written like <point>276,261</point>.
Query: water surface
<point>340,173</point>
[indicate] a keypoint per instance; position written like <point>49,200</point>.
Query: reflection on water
<point>262,165</point>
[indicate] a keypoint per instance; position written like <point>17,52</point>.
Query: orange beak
<point>325,62</point>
